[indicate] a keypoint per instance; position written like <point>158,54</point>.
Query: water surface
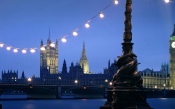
<point>156,103</point>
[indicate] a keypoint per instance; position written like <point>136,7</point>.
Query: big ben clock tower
<point>172,60</point>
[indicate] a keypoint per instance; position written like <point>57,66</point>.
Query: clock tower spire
<point>172,59</point>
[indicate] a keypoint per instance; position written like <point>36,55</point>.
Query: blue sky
<point>23,23</point>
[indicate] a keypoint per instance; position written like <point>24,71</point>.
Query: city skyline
<point>24,23</point>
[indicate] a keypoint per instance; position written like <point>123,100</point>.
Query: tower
<point>48,58</point>
<point>83,61</point>
<point>164,70</point>
<point>172,59</point>
<point>64,68</point>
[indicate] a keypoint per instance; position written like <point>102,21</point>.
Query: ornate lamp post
<point>29,82</point>
<point>127,91</point>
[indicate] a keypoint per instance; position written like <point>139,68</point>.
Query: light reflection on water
<point>163,98</point>
<point>155,103</point>
<point>162,103</point>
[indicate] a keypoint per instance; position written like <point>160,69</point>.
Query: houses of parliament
<point>79,73</point>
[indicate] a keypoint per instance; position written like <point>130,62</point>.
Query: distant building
<point>76,71</point>
<point>94,80</point>
<point>172,59</point>
<point>84,61</point>
<point>156,79</point>
<point>9,77</point>
<point>23,75</point>
<point>23,79</point>
<point>111,70</point>
<point>76,76</point>
<point>102,79</point>
<point>48,58</point>
<point>64,68</point>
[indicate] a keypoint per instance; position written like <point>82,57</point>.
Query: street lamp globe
<point>76,81</point>
<point>29,79</point>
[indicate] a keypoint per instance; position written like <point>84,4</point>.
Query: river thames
<point>155,103</point>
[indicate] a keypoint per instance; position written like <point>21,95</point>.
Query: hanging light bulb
<point>8,48</point>
<point>87,25</point>
<point>167,1</point>
<point>15,50</point>
<point>101,15</point>
<point>116,2</point>
<point>64,39</point>
<point>42,48</point>
<point>75,33</point>
<point>24,51</point>
<point>52,45</point>
<point>32,50</point>
<point>1,44</point>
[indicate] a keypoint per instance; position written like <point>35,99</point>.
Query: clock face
<point>173,44</point>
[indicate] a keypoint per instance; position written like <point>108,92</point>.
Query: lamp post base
<point>127,98</point>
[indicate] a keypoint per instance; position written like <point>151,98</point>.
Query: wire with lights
<point>64,38</point>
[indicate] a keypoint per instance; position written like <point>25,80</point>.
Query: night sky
<point>23,23</point>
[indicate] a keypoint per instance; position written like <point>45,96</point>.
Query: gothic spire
<point>56,41</point>
<point>83,56</point>
<point>56,45</point>
<point>49,34</point>
<point>64,68</point>
<point>48,40</point>
<point>41,43</point>
<point>109,64</point>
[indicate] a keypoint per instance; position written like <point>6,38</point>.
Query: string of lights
<point>63,38</point>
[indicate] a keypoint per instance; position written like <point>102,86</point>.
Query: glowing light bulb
<point>101,15</point>
<point>15,50</point>
<point>52,45</point>
<point>1,44</point>
<point>167,1</point>
<point>42,48</point>
<point>87,25</point>
<point>8,48</point>
<point>24,51</point>
<point>32,50</point>
<point>64,39</point>
<point>75,33</point>
<point>116,2</point>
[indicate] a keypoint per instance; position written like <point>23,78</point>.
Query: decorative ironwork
<point>127,75</point>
